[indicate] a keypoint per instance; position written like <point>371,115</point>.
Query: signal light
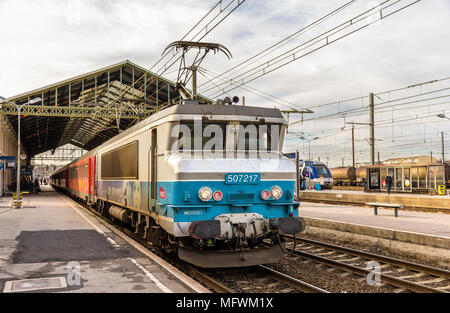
<point>265,195</point>
<point>218,195</point>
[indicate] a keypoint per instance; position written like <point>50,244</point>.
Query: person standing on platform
<point>321,182</point>
<point>36,186</point>
<point>389,183</point>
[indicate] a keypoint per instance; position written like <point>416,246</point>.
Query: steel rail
<point>294,282</point>
<point>394,281</point>
<point>208,281</point>
<point>435,271</point>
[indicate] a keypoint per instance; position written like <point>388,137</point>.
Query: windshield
<point>226,136</point>
<point>321,171</point>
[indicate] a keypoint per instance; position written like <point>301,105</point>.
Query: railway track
<point>403,275</point>
<point>261,279</point>
<point>296,283</point>
<point>264,278</point>
<point>278,280</point>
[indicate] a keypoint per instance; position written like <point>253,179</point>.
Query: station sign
<point>9,162</point>
<point>441,189</point>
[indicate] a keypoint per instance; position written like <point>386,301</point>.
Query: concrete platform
<point>422,236</point>
<point>411,201</point>
<point>52,237</point>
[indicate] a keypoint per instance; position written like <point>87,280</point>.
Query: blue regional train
<point>311,173</point>
<point>208,182</point>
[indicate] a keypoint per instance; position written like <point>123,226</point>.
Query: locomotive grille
<point>241,196</point>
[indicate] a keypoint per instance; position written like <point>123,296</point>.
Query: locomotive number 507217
<point>242,178</point>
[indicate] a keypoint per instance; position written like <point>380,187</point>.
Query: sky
<point>46,41</point>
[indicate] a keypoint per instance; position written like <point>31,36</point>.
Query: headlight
<point>276,193</point>
<point>205,194</point>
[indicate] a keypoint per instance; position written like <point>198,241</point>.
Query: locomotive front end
<point>232,204</point>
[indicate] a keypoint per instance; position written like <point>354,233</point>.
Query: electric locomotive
<point>193,179</point>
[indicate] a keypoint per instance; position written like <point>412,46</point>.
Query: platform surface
<point>53,238</point>
<point>417,222</point>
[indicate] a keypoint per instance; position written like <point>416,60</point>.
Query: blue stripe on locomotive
<point>182,203</point>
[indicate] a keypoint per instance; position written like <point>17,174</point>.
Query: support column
<point>372,129</point>
<point>297,166</point>
<point>353,146</point>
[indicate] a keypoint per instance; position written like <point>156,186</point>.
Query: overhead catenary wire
<point>207,31</point>
<point>277,45</point>
<point>353,111</point>
<point>256,91</point>
<point>315,44</point>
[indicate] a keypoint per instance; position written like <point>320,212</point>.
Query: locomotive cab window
<point>121,163</point>
<point>260,137</point>
<point>188,137</point>
<point>217,136</point>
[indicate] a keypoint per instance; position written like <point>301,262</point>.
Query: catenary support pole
<point>372,128</point>
<point>353,146</point>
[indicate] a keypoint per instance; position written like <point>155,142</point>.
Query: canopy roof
<point>81,110</point>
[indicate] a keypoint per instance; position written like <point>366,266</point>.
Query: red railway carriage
<point>82,178</point>
<point>78,178</point>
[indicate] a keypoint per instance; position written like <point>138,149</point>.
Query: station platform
<point>419,222</point>
<point>420,236</point>
<point>54,245</point>
<point>410,201</point>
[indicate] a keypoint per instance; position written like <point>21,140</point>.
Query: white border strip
<point>153,278</point>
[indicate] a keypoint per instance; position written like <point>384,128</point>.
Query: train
<point>226,204</point>
<point>416,176</point>
<point>311,171</point>
<point>349,176</point>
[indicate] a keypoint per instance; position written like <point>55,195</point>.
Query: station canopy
<point>81,110</point>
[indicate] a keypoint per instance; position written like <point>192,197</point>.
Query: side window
<point>121,163</point>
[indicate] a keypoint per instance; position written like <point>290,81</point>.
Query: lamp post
<point>309,145</point>
<point>19,108</point>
